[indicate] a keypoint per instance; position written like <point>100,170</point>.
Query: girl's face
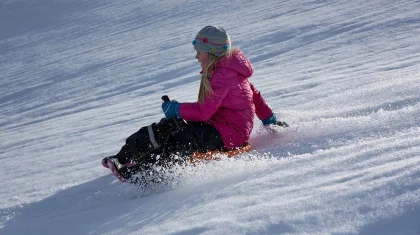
<point>202,58</point>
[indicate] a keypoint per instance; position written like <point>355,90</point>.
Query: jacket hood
<point>237,62</point>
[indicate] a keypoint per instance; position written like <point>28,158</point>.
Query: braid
<point>205,86</point>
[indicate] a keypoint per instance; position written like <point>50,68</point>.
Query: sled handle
<point>165,98</point>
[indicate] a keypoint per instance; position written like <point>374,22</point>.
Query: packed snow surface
<point>78,77</point>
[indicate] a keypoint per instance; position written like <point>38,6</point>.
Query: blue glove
<point>171,109</point>
<point>270,120</point>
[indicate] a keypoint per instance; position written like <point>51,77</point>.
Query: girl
<point>222,119</point>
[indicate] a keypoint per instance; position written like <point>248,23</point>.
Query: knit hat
<point>212,39</point>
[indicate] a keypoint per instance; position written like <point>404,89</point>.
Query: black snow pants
<point>169,142</point>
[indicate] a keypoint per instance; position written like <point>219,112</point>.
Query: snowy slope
<point>78,77</point>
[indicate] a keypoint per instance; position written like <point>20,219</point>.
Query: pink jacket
<point>235,101</point>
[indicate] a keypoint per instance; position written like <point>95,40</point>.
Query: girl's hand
<point>171,109</point>
<point>272,120</point>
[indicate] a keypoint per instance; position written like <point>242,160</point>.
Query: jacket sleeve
<point>262,109</point>
<point>204,111</point>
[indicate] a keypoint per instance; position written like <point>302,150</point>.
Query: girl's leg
<point>177,145</point>
<point>181,144</point>
<point>142,143</point>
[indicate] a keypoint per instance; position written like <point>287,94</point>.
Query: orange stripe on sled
<point>213,155</point>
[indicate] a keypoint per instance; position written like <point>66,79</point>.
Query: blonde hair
<point>205,86</point>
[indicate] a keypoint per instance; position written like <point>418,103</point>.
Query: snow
<point>78,77</point>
